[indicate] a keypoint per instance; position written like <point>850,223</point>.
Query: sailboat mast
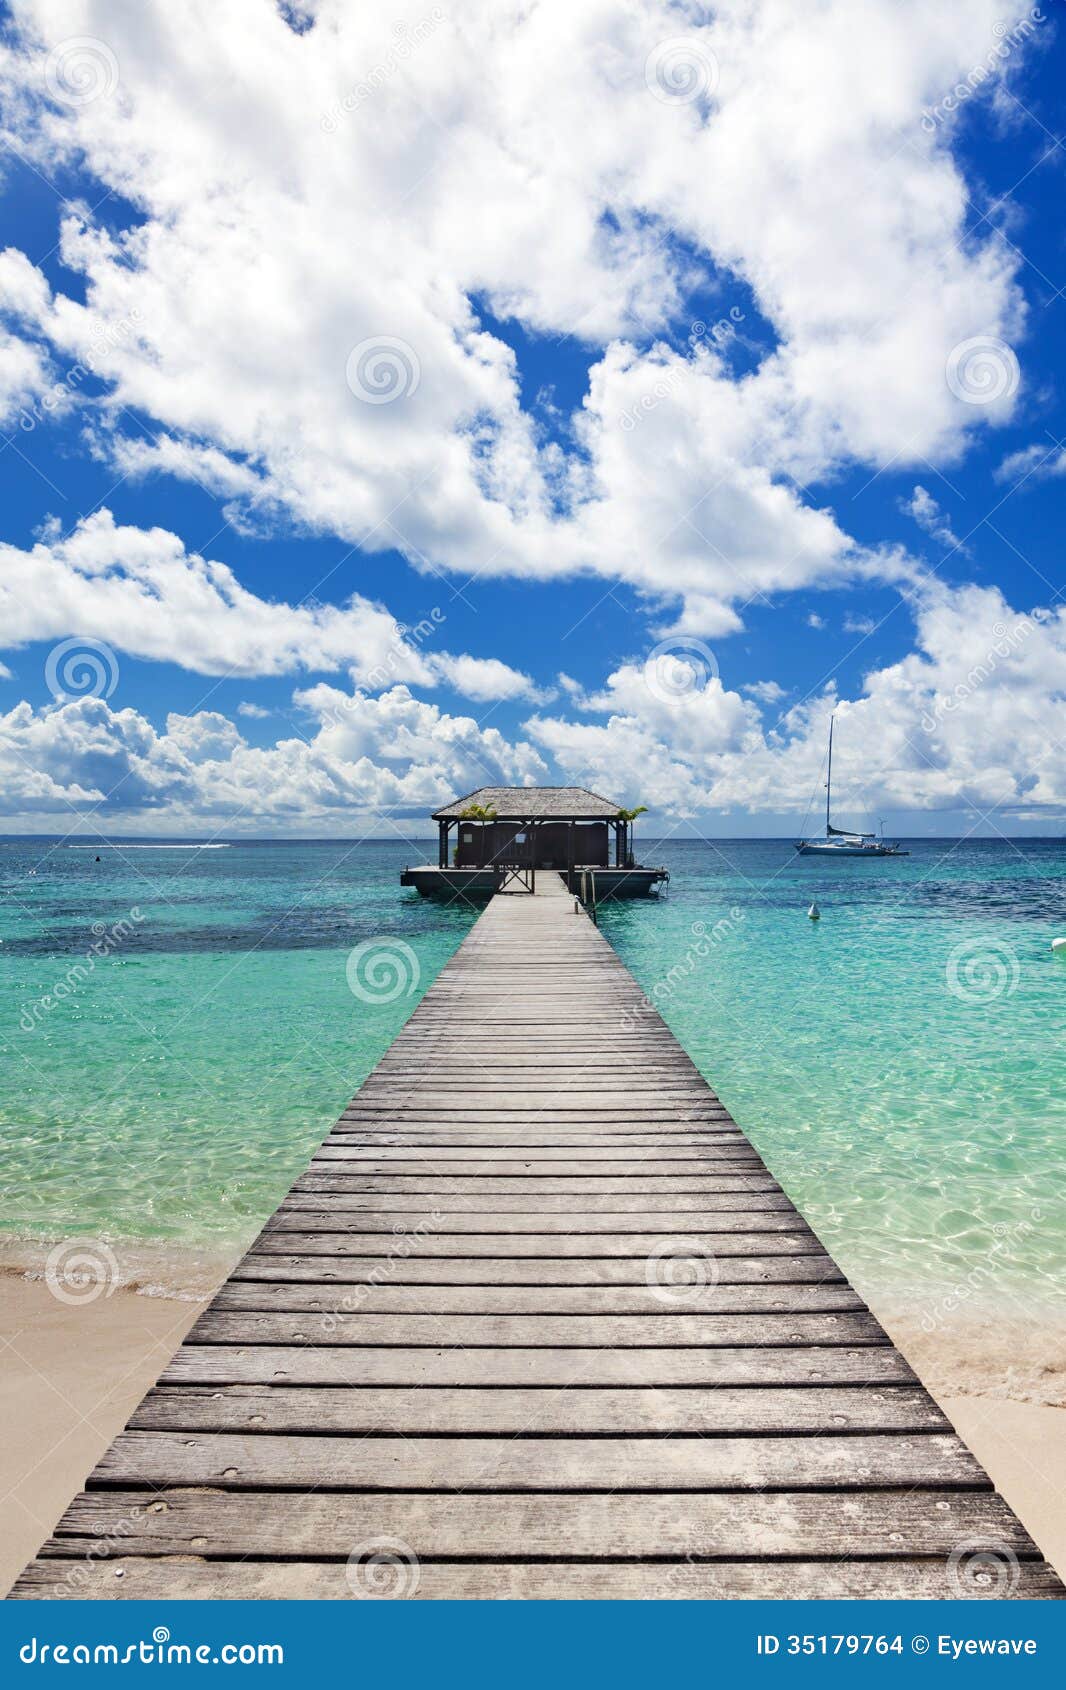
<point>829,778</point>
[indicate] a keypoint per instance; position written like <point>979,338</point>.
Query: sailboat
<point>838,841</point>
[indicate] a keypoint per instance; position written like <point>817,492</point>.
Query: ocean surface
<point>179,1027</point>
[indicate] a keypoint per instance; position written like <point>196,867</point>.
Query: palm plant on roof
<point>483,814</point>
<point>629,817</point>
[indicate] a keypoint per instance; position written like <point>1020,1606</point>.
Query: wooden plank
<point>815,1269</point>
<point>428,1183</point>
<point>553,1071</point>
<point>589,1300</point>
<point>531,1139</point>
<point>470,1244</point>
<point>312,1192</point>
<point>322,1364</point>
<point>269,1461</point>
<point>145,1580</point>
<point>467,1176</point>
<point>702,1228</point>
<point>564,1331</point>
<point>531,1188</point>
<point>426,1410</point>
<point>422,1114</point>
<point>538,1101</point>
<point>598,1526</point>
<point>546,1158</point>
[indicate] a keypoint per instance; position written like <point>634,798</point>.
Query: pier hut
<point>495,839</point>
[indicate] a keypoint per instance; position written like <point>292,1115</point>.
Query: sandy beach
<point>71,1377</point>
<point>73,1374</point>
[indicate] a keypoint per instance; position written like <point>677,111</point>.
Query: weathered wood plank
<point>537,1102</point>
<point>589,1300</point>
<point>313,1193</point>
<point>597,1526</point>
<point>297,1216</point>
<point>428,1183</point>
<point>427,1409</point>
<point>143,1580</point>
<point>268,1461</point>
<point>470,1158</point>
<point>352,1243</point>
<point>398,1136</point>
<point>814,1269</point>
<point>563,1331</point>
<point>321,1364</point>
<point>559,1115</point>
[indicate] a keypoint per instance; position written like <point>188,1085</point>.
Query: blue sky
<point>584,476</point>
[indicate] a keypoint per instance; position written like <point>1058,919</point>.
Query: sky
<point>399,400</point>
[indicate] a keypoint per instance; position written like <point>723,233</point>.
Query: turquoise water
<point>898,1063</point>
<point>173,1094</point>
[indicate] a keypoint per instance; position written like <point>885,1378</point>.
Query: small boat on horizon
<point>840,841</point>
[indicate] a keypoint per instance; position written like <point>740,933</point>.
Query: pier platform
<point>537,1322</point>
<point>602,884</point>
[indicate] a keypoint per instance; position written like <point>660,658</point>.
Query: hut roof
<point>534,803</point>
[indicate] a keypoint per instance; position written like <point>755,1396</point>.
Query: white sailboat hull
<point>827,848</point>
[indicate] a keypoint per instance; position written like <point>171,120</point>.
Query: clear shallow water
<point>899,1063</point>
<point>173,1094</point>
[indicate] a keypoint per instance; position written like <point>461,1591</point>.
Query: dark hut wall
<point>547,844</point>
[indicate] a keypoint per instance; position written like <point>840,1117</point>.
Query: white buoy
<point>1059,947</point>
<point>815,913</point>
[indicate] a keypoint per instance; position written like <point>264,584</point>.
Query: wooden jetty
<point>537,1322</point>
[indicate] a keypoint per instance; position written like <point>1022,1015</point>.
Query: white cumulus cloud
<point>324,234</point>
<point>139,591</point>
